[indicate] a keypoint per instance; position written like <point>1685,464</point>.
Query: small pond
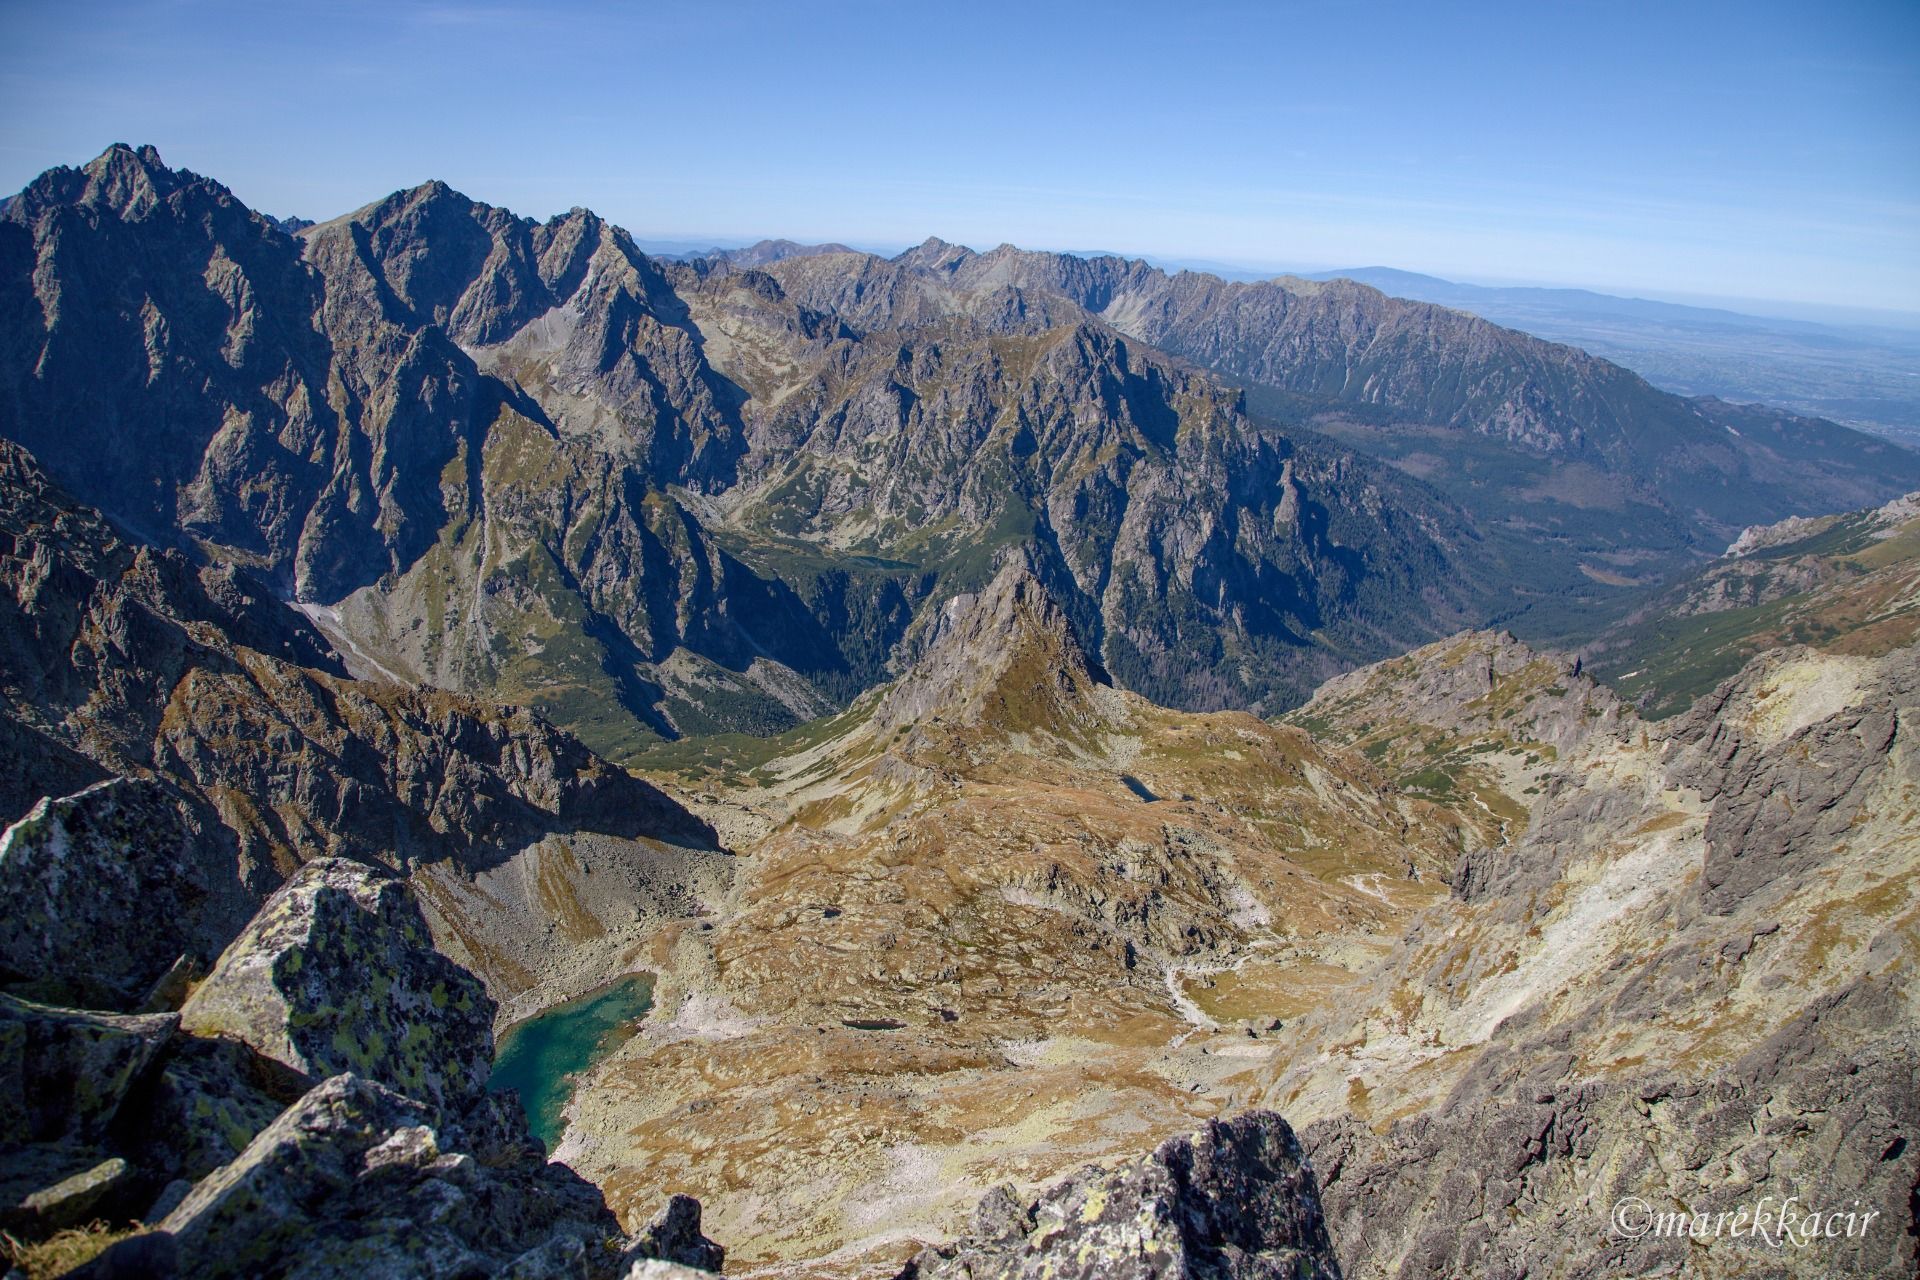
<point>539,1057</point>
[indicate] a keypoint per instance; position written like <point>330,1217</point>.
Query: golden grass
<point>63,1251</point>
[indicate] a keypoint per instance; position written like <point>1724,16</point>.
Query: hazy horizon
<point>688,242</point>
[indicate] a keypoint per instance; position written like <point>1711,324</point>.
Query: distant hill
<point>1865,376</point>
<point>767,252</point>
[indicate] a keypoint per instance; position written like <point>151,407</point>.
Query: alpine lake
<point>540,1057</point>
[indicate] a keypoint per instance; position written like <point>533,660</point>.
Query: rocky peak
<point>1474,684</point>
<point>431,243</point>
<point>477,269</point>
<point>128,181</point>
<point>1004,657</point>
<point>765,252</point>
<point>935,254</point>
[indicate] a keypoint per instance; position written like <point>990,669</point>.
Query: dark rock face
<point>337,973</point>
<point>201,1104</point>
<point>674,1236</point>
<point>68,1081</point>
<point>1236,1200</point>
<point>74,872</point>
<point>139,663</point>
<point>73,1200</point>
<point>67,1072</point>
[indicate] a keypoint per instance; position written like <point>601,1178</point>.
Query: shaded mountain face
<point>1583,461</point>
<point>119,659</point>
<point>523,460</point>
<point>1345,342</point>
<point>527,461</point>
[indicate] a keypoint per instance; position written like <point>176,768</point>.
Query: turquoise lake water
<point>539,1057</point>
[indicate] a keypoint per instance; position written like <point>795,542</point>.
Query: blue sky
<point>1755,150</point>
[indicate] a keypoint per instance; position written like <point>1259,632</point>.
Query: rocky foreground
<point>318,1108</point>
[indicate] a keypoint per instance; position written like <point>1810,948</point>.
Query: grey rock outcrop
<point>337,973</point>
<point>64,1073</point>
<point>355,1179</point>
<point>674,1236</point>
<point>1520,1174</point>
<point>1456,685</point>
<point>1235,1201</point>
<point>1778,806</point>
<point>75,872</point>
<point>654,1269</point>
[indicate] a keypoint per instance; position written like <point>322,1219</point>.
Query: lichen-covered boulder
<point>73,1200</point>
<point>75,874</point>
<point>43,1175</point>
<point>337,973</point>
<point>64,1073</point>
<point>355,1180</point>
<point>1235,1201</point>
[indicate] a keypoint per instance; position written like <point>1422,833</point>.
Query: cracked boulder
<point>1235,1201</point>
<point>337,973</point>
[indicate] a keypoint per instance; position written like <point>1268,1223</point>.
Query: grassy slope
<point>1861,596</point>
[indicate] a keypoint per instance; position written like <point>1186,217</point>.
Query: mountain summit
<point>1004,659</point>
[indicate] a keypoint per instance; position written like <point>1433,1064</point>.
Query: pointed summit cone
<point>999,662</point>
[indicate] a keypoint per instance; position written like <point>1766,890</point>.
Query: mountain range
<point>1854,371</point>
<point>524,460</point>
